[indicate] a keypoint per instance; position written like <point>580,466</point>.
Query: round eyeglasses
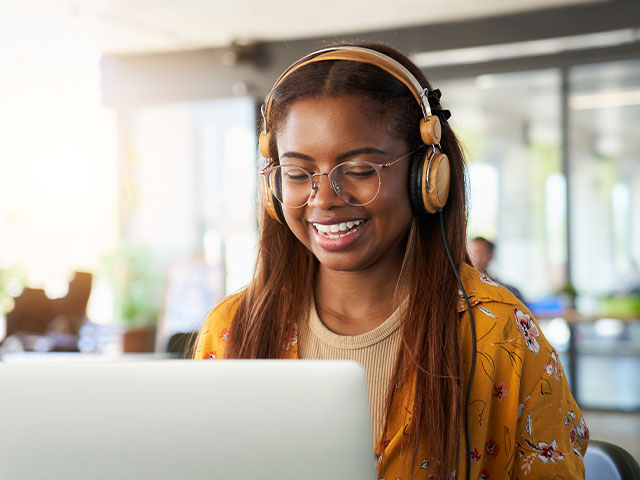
<point>357,182</point>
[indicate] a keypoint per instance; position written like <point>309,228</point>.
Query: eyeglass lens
<point>356,182</point>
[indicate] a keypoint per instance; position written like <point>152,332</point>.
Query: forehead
<point>334,120</point>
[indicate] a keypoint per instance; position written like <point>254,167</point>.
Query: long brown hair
<point>280,292</point>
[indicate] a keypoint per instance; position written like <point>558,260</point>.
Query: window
<point>510,128</point>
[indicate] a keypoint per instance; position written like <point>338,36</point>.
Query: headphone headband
<point>362,55</point>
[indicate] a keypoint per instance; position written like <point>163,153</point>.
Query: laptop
<point>181,419</point>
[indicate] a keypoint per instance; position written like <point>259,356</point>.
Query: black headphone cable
<point>473,346</point>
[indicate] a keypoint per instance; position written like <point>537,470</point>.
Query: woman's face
<point>318,134</point>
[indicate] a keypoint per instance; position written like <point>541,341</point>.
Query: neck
<point>351,303</point>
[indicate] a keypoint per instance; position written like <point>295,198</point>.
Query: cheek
<point>295,222</point>
<point>395,192</point>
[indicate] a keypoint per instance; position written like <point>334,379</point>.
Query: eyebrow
<point>341,157</point>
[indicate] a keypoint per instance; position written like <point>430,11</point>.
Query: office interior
<point>129,180</point>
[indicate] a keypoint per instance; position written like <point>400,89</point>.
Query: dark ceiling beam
<point>133,80</point>
<point>548,23</point>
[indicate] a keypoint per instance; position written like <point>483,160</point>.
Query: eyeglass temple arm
<point>393,162</point>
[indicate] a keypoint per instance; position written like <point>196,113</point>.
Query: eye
<point>358,170</point>
<point>294,174</point>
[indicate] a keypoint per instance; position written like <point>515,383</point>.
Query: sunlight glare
<point>58,182</point>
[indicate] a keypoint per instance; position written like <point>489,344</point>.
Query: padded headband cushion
<point>362,55</point>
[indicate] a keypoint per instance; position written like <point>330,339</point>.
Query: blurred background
<point>128,153</point>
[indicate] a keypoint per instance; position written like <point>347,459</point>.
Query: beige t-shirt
<point>375,350</point>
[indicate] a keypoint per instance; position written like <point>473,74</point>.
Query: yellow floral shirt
<point>524,422</point>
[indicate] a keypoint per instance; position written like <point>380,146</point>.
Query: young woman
<point>362,256</point>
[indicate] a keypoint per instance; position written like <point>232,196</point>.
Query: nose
<point>323,195</point>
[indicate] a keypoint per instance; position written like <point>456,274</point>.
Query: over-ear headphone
<point>429,171</point>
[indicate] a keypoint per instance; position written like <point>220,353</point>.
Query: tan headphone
<point>428,175</point>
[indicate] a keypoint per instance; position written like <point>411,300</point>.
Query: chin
<point>342,262</point>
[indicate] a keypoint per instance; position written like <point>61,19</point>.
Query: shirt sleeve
<point>524,422</point>
<point>551,434</point>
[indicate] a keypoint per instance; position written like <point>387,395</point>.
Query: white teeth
<point>331,231</point>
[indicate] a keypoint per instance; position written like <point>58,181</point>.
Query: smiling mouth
<point>338,230</point>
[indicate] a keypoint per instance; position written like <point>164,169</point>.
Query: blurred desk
<point>600,350</point>
<point>15,357</point>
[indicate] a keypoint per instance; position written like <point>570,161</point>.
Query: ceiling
<point>147,26</point>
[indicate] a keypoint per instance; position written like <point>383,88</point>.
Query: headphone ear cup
<point>275,211</point>
<point>435,188</point>
<point>415,181</point>
<point>263,143</point>
<point>271,205</point>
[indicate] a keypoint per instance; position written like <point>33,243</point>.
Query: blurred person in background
<point>481,253</point>
<point>362,256</point>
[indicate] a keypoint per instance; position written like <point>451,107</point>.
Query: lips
<point>339,235</point>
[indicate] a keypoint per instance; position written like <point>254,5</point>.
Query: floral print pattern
<point>474,454</point>
<point>532,450</point>
<point>486,279</point>
<point>487,312</point>
<point>492,448</point>
<point>549,452</point>
<point>224,334</point>
<point>292,337</point>
<point>553,367</point>
<point>500,391</point>
<point>528,329</point>
<point>578,434</point>
<point>484,475</point>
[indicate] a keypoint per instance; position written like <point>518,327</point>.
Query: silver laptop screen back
<point>243,419</point>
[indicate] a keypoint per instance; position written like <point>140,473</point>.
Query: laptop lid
<point>231,419</point>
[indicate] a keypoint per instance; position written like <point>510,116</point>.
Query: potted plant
<point>137,287</point>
